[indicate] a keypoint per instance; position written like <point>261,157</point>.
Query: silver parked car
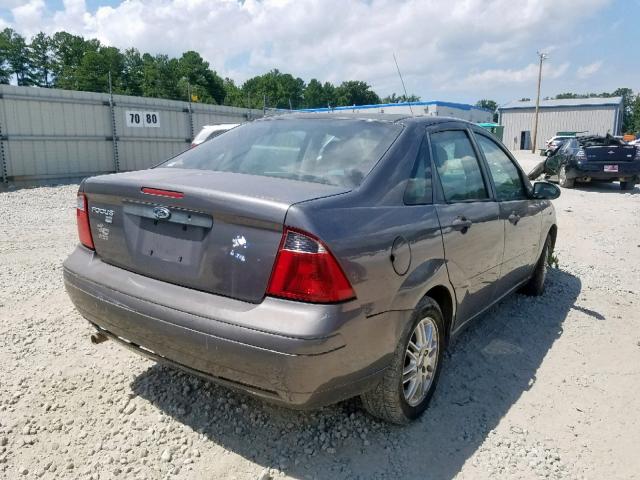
<point>309,259</point>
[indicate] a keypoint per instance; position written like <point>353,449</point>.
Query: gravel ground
<point>543,387</point>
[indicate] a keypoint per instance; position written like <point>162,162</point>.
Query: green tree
<point>314,96</point>
<point>627,107</point>
<point>635,115</point>
<point>132,72</point>
<point>204,83</point>
<point>68,52</point>
<point>17,56</point>
<point>233,95</point>
<point>355,92</point>
<point>276,90</point>
<point>566,95</point>
<point>393,98</point>
<point>330,94</point>
<point>489,105</point>
<point>40,57</point>
<point>160,77</point>
<point>5,45</point>
<point>93,72</point>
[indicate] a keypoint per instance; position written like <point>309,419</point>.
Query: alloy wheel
<point>420,361</point>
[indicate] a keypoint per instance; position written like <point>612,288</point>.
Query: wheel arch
<point>443,297</point>
<point>553,234</point>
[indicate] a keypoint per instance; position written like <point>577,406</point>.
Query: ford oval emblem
<point>161,213</point>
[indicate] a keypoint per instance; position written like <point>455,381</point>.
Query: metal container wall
<point>50,134</point>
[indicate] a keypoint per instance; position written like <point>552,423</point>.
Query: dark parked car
<point>309,259</point>
<point>597,159</point>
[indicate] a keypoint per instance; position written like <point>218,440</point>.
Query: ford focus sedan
<point>307,259</point>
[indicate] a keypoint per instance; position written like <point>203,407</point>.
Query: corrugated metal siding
<point>56,134</point>
<point>471,115</point>
<point>596,120</point>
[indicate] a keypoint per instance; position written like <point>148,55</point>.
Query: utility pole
<point>543,56</point>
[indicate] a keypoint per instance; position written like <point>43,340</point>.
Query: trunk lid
<point>610,153</point>
<point>222,236</point>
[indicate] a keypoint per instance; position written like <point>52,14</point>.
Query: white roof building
<point>595,116</point>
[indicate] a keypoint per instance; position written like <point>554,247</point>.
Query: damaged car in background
<point>592,158</point>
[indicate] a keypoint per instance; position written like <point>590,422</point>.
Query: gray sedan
<point>307,259</point>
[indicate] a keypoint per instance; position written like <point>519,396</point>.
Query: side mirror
<point>545,191</point>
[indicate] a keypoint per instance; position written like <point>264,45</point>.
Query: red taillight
<point>82,217</point>
<point>162,193</point>
<point>305,270</point>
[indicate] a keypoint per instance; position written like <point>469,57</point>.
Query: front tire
<point>563,180</point>
<point>535,286</point>
<point>409,383</point>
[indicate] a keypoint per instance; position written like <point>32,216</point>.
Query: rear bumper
<point>298,354</point>
<point>626,171</point>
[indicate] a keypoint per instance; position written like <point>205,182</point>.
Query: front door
<point>472,232</point>
<point>520,215</point>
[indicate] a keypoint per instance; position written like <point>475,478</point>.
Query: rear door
<point>520,216</point>
<point>472,232</point>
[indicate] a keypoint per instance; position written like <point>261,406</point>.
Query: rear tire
<point>535,286</point>
<point>563,180</point>
<point>628,185</point>
<point>396,399</point>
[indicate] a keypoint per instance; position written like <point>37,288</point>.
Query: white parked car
<point>210,131</point>
<point>554,143</point>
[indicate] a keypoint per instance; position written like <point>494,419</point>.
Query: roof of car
<point>388,117</point>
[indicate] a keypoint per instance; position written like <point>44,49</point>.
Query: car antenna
<point>403,87</point>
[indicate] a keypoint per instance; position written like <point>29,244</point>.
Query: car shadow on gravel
<point>607,188</point>
<point>486,371</point>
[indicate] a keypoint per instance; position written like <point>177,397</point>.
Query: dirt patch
<point>543,387</point>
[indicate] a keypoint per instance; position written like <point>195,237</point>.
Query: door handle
<point>462,224</point>
<point>514,218</point>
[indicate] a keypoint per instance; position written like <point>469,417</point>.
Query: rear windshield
<point>596,141</point>
<point>330,151</point>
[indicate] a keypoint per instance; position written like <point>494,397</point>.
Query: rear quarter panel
<point>361,227</point>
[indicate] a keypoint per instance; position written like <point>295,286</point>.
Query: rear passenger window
<point>420,189</point>
<point>457,166</point>
<point>504,173</point>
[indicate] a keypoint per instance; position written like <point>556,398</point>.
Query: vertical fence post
<point>190,125</point>
<point>3,160</point>
<point>190,112</point>
<point>114,133</point>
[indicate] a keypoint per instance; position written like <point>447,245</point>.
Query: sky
<point>455,50</point>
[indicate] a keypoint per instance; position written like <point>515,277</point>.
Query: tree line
<point>71,62</point>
